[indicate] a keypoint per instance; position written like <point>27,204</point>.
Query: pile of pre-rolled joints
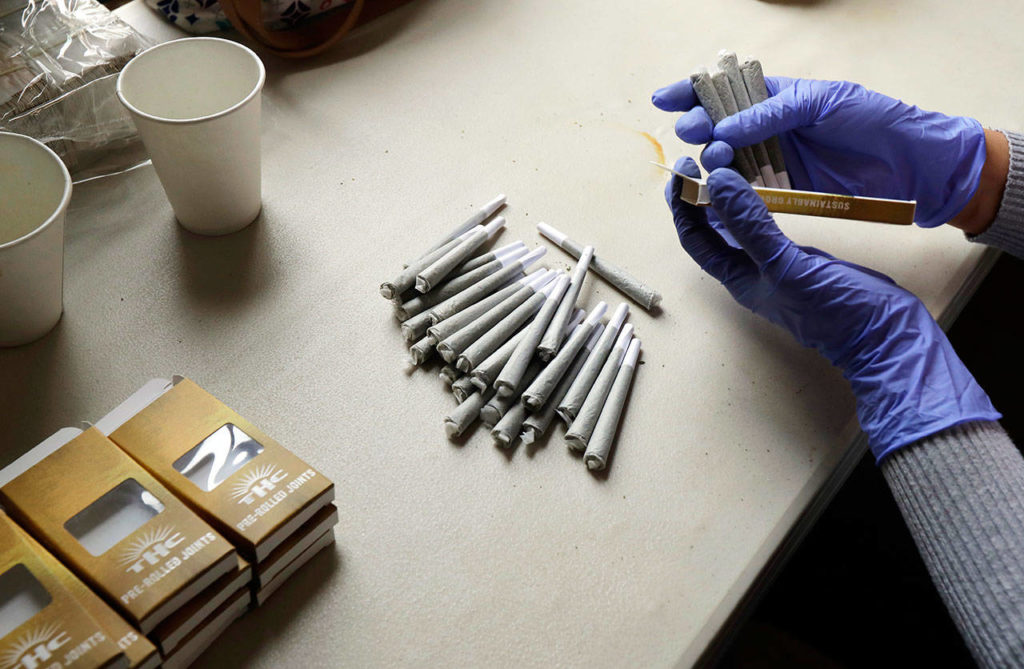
<point>517,348</point>
<point>730,89</point>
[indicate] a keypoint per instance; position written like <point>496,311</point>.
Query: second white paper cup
<point>35,189</point>
<point>196,104</point>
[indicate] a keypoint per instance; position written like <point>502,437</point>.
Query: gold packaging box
<point>247,486</point>
<point>41,623</point>
<point>260,594</point>
<point>810,203</point>
<point>112,523</point>
<point>140,652</point>
<point>324,520</point>
<point>316,534</point>
<point>179,625</point>
<point>193,645</point>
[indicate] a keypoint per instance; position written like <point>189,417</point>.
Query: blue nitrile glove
<point>839,137</point>
<point>908,381</point>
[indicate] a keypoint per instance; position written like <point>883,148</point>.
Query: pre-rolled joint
<point>440,268</point>
<point>622,343</point>
<point>602,435</point>
<point>464,415</point>
<point>743,156</point>
<point>538,393</point>
<point>422,350</point>
<point>551,339</point>
<point>597,313</point>
<point>501,438</point>
<point>493,205</point>
<point>475,293</point>
<point>619,278</point>
<point>506,430</point>
<point>618,316</point>
<point>489,415</point>
<point>753,78</point>
<point>503,389</point>
<point>632,353</point>
<point>537,423</point>
<point>533,256</point>
<point>494,226</point>
<point>448,374</point>
<point>576,442</point>
<point>478,217</point>
<point>587,416</point>
<point>728,63</point>
<point>566,415</point>
<point>462,389</point>
<point>551,233</point>
<point>569,405</point>
<point>513,251</point>
<point>515,369</point>
<point>416,327</point>
<point>532,403</point>
<point>446,352</point>
<point>707,95</point>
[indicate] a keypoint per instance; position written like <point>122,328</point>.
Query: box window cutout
<point>113,516</point>
<point>218,456</point>
<point>21,597</point>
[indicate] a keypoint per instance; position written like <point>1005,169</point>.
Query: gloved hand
<point>839,137</point>
<point>908,381</point>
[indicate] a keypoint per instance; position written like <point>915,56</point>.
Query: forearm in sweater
<point>1006,231</point>
<point>961,493</point>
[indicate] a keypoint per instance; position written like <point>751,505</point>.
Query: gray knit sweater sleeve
<point>1007,230</point>
<point>961,493</point>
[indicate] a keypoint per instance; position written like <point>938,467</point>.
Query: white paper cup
<point>35,188</point>
<point>196,103</point>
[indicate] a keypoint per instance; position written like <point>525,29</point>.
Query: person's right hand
<point>839,137</point>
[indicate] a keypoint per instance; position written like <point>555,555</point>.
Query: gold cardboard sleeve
<point>140,652</point>
<point>810,203</point>
<point>256,505</point>
<point>61,633</point>
<point>151,571</point>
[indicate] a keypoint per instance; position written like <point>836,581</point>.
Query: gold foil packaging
<point>118,528</point>
<point>192,517</point>
<point>263,498</point>
<point>42,624</point>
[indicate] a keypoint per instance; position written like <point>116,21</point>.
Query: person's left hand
<point>908,381</point>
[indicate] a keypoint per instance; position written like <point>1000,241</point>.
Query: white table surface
<point>460,554</point>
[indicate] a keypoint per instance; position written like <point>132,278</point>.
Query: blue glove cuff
<point>915,397</point>
<point>965,138</point>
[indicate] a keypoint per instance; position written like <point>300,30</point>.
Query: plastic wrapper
<point>59,61</point>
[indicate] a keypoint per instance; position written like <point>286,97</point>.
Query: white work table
<point>460,554</point>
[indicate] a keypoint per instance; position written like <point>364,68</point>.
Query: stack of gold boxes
<point>173,509</point>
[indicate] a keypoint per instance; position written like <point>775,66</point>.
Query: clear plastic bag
<point>59,61</point>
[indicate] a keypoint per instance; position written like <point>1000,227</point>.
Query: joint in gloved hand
<point>809,203</point>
